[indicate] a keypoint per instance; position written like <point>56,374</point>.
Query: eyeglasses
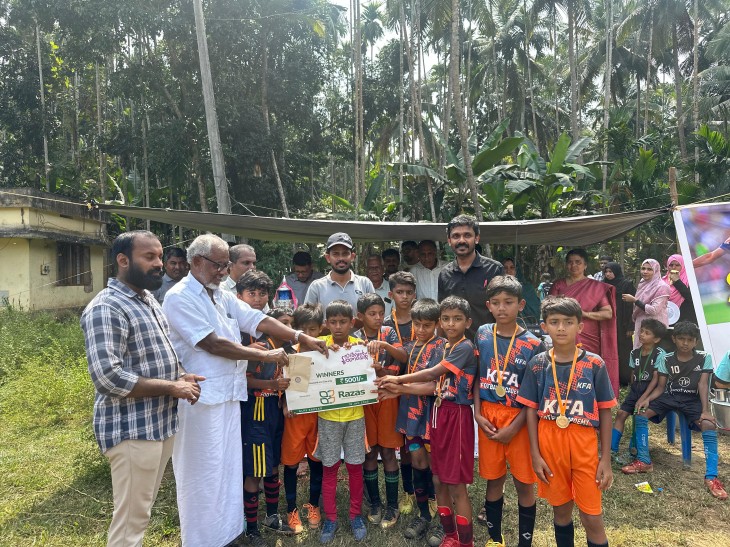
<point>218,266</point>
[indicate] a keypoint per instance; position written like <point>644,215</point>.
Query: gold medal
<point>562,421</point>
<point>500,390</point>
<point>438,402</point>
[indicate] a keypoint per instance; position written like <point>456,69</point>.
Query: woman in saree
<point>613,275</point>
<point>651,298</point>
<point>598,302</point>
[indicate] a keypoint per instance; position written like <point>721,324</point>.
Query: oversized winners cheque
<point>345,378</point>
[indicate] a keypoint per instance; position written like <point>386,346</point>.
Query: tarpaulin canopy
<point>571,231</point>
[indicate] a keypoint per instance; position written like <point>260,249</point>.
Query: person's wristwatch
<point>297,334</point>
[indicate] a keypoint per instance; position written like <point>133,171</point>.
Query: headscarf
<point>648,290</point>
<point>618,273</point>
<point>674,295</point>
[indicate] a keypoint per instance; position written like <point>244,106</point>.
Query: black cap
<point>340,238</point>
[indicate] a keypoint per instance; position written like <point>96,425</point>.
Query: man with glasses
<point>206,324</point>
<point>341,283</point>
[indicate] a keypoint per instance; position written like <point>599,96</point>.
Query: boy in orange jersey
<point>388,354</point>
<point>504,351</point>
<point>300,437</point>
<point>569,396</point>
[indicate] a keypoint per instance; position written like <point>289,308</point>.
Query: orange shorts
<point>572,456</point>
<point>494,456</point>
<point>300,438</point>
<point>380,424</point>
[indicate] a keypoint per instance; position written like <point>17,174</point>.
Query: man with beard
<point>137,380</point>
<point>470,273</point>
<point>176,267</point>
<point>391,261</point>
<point>206,323</point>
<point>341,283</point>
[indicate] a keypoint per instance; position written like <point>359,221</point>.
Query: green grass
<point>55,487</point>
<point>718,312</point>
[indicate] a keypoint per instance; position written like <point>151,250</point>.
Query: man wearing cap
<point>341,283</point>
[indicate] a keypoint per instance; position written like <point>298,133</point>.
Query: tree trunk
<point>46,164</point>
<point>528,36</point>
<point>401,140</point>
<point>265,114</point>
<point>574,127</point>
<point>678,93</point>
<point>607,86</point>
<point>696,83</point>
<point>648,69</point>
<point>211,116</point>
<point>459,108</point>
<point>102,155</point>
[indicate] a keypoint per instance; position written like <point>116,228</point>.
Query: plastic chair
<point>685,434</point>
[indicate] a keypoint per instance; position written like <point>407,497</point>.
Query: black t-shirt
<point>643,365</point>
<point>683,377</point>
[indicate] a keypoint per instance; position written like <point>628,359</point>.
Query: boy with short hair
<point>388,354</point>
<point>341,430</point>
<point>262,427</point>
<point>253,288</point>
<point>452,421</point>
<point>683,386</point>
<point>504,350</point>
<point>403,294</point>
<point>300,437</point>
<point>569,396</point>
<point>414,406</point>
<point>644,378</point>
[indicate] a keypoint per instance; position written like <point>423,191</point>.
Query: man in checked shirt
<point>138,380</point>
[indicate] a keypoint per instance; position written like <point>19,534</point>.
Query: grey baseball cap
<point>340,238</point>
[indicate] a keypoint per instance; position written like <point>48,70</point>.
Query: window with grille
<point>74,264</point>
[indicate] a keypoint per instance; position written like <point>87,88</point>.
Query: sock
<point>493,510</point>
<point>406,473</point>
<point>354,473</point>
<point>371,483</point>
<point>465,530</point>
<point>391,488</point>
<point>615,439</point>
<point>329,491</point>
<point>419,487</point>
<point>315,482</point>
<point>271,491</point>
<point>641,427</point>
<point>591,544</point>
<point>709,440</point>
<point>290,488</point>
<point>526,524</point>
<point>251,510</point>
<point>564,535</point>
<point>448,522</point>
<point>430,488</point>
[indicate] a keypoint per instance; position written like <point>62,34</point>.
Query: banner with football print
<point>703,232</point>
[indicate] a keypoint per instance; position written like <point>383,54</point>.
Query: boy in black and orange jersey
<point>262,427</point>
<point>414,406</point>
<point>504,351</point>
<point>388,354</point>
<point>300,437</point>
<point>452,421</point>
<point>569,396</point>
<point>253,288</point>
<point>403,294</point>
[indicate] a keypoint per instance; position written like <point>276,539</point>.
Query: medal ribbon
<point>397,328</point>
<point>643,368</point>
<point>561,404</point>
<point>443,376</point>
<point>418,357</point>
<point>500,370</point>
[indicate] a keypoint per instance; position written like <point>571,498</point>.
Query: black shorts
<point>632,397</point>
<point>689,405</point>
<point>262,428</point>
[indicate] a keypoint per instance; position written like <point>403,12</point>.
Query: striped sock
<point>391,488</point>
<point>419,486</point>
<point>251,510</point>
<point>271,491</point>
<point>371,483</point>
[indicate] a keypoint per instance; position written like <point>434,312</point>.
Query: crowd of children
<point>544,415</point>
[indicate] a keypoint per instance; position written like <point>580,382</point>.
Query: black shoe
<point>435,534</point>
<point>416,528</point>
<point>255,540</point>
<point>275,523</point>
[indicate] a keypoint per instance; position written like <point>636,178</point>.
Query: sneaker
<point>359,530</point>
<point>390,517</point>
<point>716,488</point>
<point>274,522</point>
<point>314,517</point>
<point>255,540</point>
<point>294,522</point>
<point>375,514</point>
<point>637,466</point>
<point>435,534</point>
<point>433,508</point>
<point>416,528</point>
<point>328,531</point>
<point>407,504</point>
<point>492,543</point>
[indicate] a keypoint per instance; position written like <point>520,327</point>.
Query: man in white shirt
<point>205,329</point>
<point>427,270</point>
<point>243,259</point>
<point>374,269</point>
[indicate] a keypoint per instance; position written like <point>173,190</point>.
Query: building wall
<point>14,279</point>
<point>49,221</point>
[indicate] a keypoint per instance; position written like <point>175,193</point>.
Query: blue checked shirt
<point>127,338</point>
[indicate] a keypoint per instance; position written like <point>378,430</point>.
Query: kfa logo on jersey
<point>572,407</point>
<point>583,387</point>
<point>508,379</point>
